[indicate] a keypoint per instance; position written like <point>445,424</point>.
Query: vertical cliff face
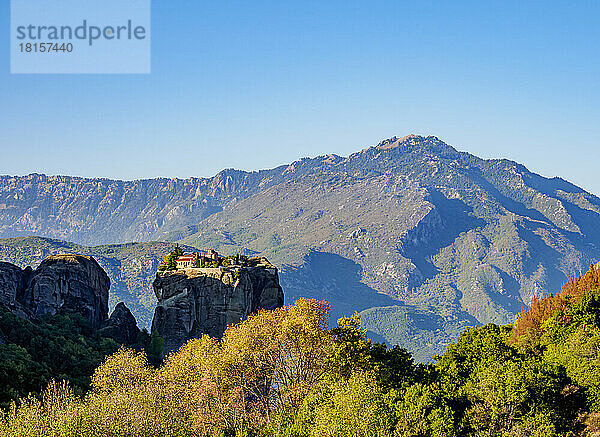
<point>61,283</point>
<point>64,283</point>
<point>193,302</point>
<point>13,281</point>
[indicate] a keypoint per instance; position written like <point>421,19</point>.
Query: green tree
<point>171,258</point>
<point>422,410</point>
<point>572,340</point>
<point>59,347</point>
<point>357,407</point>
<point>154,349</point>
<point>351,349</point>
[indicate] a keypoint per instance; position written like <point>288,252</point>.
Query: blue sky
<point>254,85</point>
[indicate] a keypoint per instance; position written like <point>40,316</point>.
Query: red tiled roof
<point>192,256</point>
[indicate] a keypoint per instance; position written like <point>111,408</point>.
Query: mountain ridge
<point>410,225</point>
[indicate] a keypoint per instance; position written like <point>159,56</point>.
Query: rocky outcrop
<point>13,281</point>
<point>193,302</point>
<point>131,267</point>
<point>61,284</point>
<point>121,326</point>
<point>69,283</point>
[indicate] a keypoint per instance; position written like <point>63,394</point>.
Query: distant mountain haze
<point>420,238</point>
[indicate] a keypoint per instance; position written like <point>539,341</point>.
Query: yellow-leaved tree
<point>209,387</point>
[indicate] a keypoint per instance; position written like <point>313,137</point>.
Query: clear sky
<point>253,85</point>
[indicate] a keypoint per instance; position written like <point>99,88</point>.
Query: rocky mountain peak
<point>388,143</point>
<point>409,140</point>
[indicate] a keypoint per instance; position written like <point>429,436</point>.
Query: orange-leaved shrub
<point>529,322</point>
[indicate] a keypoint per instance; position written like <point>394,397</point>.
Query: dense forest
<point>284,373</point>
<point>61,347</point>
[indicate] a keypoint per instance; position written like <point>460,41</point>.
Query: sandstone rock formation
<point>121,326</point>
<point>131,267</point>
<point>69,283</point>
<point>193,302</point>
<point>12,283</point>
<point>61,283</point>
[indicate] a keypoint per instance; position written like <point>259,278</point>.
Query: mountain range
<point>419,238</point>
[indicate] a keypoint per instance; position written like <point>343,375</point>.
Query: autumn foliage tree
<point>264,364</point>
<point>268,362</point>
<point>529,323</point>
